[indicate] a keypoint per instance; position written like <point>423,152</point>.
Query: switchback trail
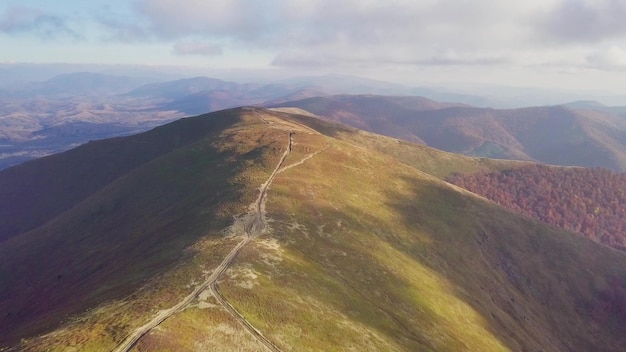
<point>254,225</point>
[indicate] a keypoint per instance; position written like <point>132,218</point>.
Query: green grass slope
<point>426,264</point>
<point>363,252</point>
<point>429,160</point>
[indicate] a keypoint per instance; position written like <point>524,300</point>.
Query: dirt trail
<point>303,159</point>
<point>254,225</point>
<point>164,314</point>
<point>242,321</point>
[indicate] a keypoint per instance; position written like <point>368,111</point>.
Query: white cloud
<point>375,35</point>
<point>325,32</point>
<point>585,20</point>
<point>28,20</point>
<point>197,48</point>
<point>613,57</point>
<point>236,18</point>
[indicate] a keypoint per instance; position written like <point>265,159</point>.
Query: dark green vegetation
<point>591,202</point>
<point>366,249</point>
<point>551,134</point>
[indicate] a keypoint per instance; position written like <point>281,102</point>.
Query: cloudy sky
<point>577,44</point>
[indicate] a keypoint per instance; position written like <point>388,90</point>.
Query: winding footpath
<point>254,225</point>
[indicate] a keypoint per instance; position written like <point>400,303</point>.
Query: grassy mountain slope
<point>362,251</point>
<point>129,218</point>
<point>555,135</point>
<point>429,160</point>
<point>29,200</point>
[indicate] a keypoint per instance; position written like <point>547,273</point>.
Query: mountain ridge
<point>362,249</point>
<point>551,134</point>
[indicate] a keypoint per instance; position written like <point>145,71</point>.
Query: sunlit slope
<point>430,160</point>
<point>362,252</point>
<point>376,253</point>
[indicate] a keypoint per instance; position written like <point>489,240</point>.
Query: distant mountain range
<point>591,105</point>
<point>73,85</point>
<point>41,118</point>
<point>181,88</point>
<point>551,134</point>
<point>251,229</point>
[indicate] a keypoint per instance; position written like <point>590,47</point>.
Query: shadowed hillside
<point>552,134</point>
<point>30,200</point>
<point>316,235</point>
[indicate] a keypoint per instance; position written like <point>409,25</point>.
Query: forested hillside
<point>590,201</point>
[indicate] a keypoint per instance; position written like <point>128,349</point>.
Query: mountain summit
<point>251,229</point>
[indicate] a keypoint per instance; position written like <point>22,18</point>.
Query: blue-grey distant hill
<point>73,85</point>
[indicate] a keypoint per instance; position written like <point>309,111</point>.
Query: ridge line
<point>254,225</point>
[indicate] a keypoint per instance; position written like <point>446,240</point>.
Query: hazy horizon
<point>557,44</point>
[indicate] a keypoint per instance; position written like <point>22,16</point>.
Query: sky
<point>565,44</point>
